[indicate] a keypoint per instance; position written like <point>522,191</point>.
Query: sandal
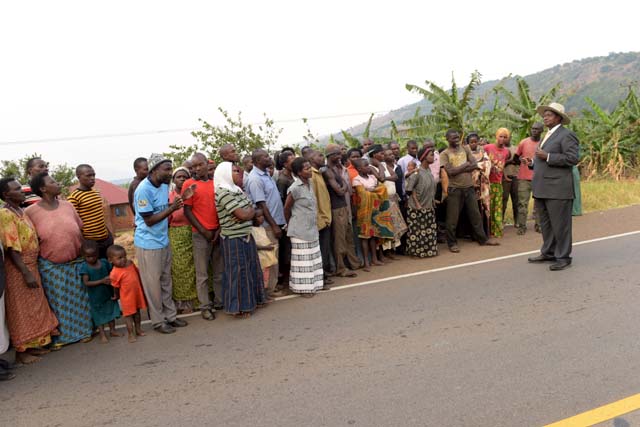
<point>454,249</point>
<point>348,274</point>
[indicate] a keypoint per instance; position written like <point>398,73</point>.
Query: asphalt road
<point>504,343</point>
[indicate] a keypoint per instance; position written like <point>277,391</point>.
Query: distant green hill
<point>603,79</point>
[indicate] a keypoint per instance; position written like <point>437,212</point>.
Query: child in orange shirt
<point>125,278</point>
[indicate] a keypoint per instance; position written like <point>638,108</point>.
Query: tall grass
<point>600,195</point>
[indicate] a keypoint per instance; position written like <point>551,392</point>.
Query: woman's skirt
<point>306,275</point>
<point>422,237</point>
<point>29,317</point>
<point>183,270</point>
<point>68,298</point>
<point>496,210</point>
<point>399,225</point>
<point>242,284</point>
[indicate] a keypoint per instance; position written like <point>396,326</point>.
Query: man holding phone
<point>526,151</point>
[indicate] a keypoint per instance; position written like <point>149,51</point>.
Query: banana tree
<point>452,109</point>
<point>520,112</point>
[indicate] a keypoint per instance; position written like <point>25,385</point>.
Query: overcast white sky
<point>74,68</point>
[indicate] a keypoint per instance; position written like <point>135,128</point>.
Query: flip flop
<point>348,274</point>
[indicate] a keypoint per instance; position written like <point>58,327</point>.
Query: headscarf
<point>503,130</point>
<point>424,152</point>
<point>183,169</point>
<point>223,177</point>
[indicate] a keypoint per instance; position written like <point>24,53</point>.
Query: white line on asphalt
<point>434,270</point>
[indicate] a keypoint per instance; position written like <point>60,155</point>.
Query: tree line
<point>609,140</point>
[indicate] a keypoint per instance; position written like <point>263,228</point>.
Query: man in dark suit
<point>552,186</point>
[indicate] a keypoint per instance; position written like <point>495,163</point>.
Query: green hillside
<point>604,79</point>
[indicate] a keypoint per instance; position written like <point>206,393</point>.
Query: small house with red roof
<point>117,199</point>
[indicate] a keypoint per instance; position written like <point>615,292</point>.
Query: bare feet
<point>132,338</point>
<point>140,332</point>
<point>26,358</point>
<point>103,339</point>
<point>113,333</point>
<point>377,262</point>
<point>38,351</point>
<point>366,268</point>
<point>492,242</point>
<point>242,315</point>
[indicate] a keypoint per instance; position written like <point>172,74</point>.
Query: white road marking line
<point>434,270</point>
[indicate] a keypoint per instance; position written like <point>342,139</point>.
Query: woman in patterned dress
<point>422,237</point>
<point>59,230</point>
<point>30,319</point>
<point>183,270</point>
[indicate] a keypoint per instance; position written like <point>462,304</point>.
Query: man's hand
<point>208,235</point>
<point>277,231</point>
<point>106,281</point>
<point>541,154</point>
<point>189,192</point>
<point>177,204</point>
<point>216,235</point>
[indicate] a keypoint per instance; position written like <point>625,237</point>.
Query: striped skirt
<point>306,267</point>
<point>68,298</point>
<point>242,283</point>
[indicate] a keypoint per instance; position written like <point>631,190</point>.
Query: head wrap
<point>223,177</point>
<point>183,169</point>
<point>424,152</point>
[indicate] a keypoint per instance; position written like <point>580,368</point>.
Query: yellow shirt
<point>322,199</point>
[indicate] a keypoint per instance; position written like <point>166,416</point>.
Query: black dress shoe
<point>178,323</point>
<point>541,258</point>
<point>560,265</point>
<point>165,328</point>
<point>6,376</point>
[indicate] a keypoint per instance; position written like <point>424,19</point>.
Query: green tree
<point>453,109</point>
<point>610,142</point>
<point>63,174</point>
<point>520,113</point>
<point>245,137</point>
<point>17,168</point>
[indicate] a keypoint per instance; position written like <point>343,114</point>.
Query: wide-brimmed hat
<point>156,159</point>
<point>556,108</point>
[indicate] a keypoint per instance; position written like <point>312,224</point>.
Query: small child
<point>125,278</point>
<point>266,249</point>
<point>364,177</point>
<point>95,276</point>
<point>369,182</point>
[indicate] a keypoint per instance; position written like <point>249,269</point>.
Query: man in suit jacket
<point>552,186</point>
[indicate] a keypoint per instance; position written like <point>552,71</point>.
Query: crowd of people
<point>235,235</point>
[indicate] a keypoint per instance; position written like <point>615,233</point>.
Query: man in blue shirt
<point>151,240</point>
<point>263,192</point>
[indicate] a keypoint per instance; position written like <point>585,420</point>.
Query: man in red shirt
<point>526,152</point>
<point>201,212</point>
